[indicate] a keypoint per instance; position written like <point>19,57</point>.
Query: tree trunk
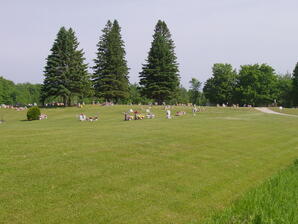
<point>69,101</point>
<point>65,101</point>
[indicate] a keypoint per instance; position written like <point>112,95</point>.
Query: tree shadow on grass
<point>29,120</point>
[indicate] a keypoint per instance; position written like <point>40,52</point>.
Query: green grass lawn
<point>164,171</point>
<point>275,201</point>
<point>293,111</point>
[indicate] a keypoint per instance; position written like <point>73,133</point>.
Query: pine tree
<point>102,80</point>
<point>79,79</point>
<point>295,86</point>
<point>110,77</point>
<point>54,69</point>
<point>159,78</point>
<point>65,73</point>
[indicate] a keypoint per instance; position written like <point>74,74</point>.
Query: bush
<point>33,113</point>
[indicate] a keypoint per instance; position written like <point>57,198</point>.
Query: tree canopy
<point>219,89</point>
<point>18,94</point>
<point>110,77</point>
<point>159,78</point>
<point>257,85</point>
<point>66,77</point>
<point>284,90</point>
<point>295,86</point>
<point>194,90</point>
<point>65,72</point>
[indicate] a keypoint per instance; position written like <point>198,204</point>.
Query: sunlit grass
<point>61,170</point>
<point>293,111</point>
<point>275,201</point>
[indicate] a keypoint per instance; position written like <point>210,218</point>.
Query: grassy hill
<point>275,201</point>
<point>181,170</point>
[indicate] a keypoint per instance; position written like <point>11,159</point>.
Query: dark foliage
<point>110,77</point>
<point>159,78</point>
<point>66,73</point>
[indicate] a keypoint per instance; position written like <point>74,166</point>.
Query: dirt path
<point>268,111</point>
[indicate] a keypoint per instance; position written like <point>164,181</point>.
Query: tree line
<point>256,85</point>
<point>18,94</point>
<point>67,80</point>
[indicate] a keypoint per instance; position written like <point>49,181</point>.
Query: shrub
<point>33,113</point>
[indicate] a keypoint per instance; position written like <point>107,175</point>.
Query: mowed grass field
<point>164,171</point>
<point>274,201</point>
<point>292,111</point>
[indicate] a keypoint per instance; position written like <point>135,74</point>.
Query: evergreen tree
<point>110,77</point>
<point>79,79</point>
<point>102,80</point>
<point>159,78</point>
<point>295,86</point>
<point>65,73</point>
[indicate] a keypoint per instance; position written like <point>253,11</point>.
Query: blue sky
<point>205,32</point>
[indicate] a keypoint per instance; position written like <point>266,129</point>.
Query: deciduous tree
<point>220,87</point>
<point>257,85</point>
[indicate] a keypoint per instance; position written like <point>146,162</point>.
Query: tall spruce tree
<point>295,86</point>
<point>66,73</point>
<point>159,78</point>
<point>110,77</point>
